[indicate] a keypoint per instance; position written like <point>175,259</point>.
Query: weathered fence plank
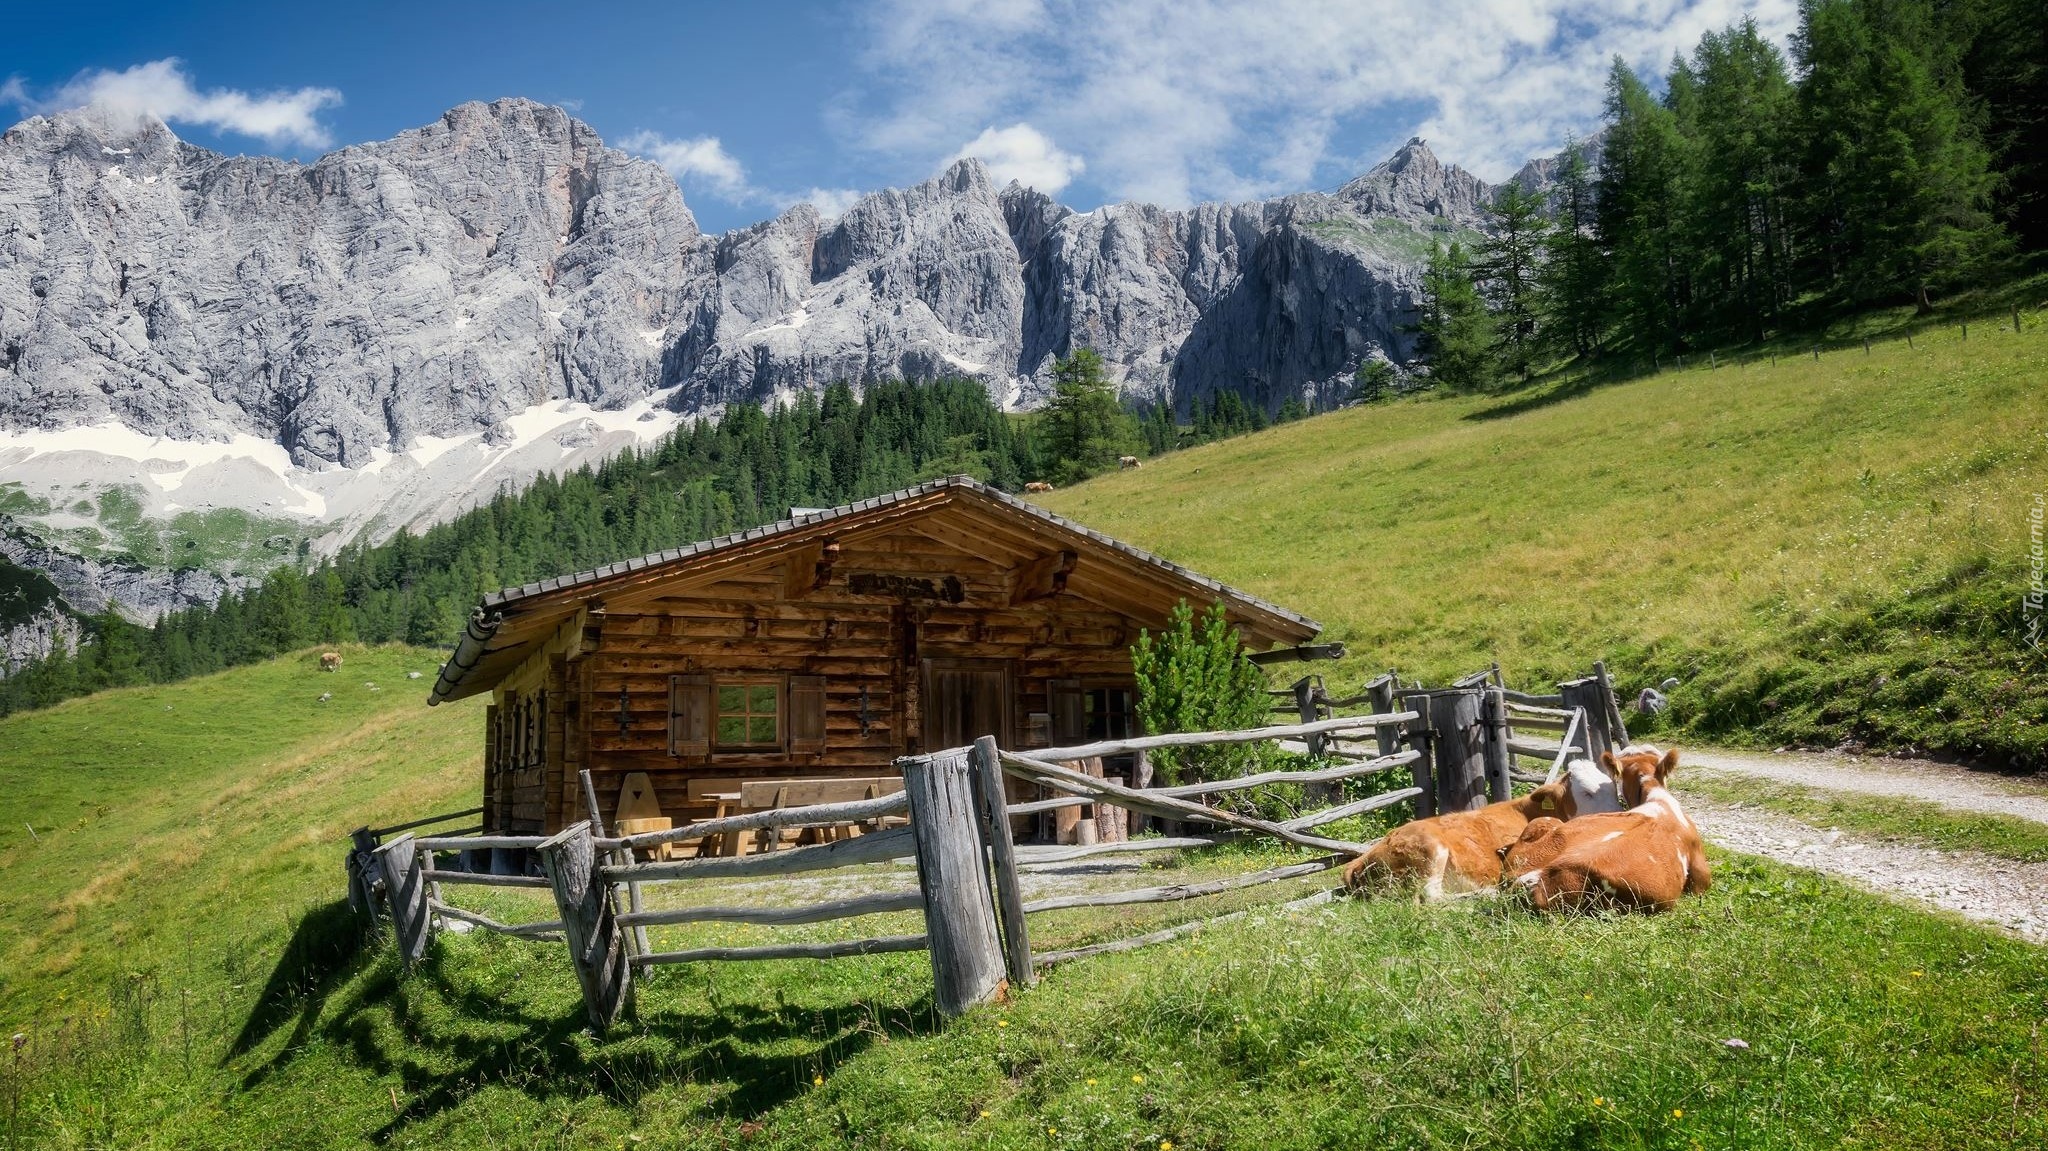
<point>551,929</point>
<point>1002,851</point>
<point>1172,893</point>
<point>1111,747</point>
<point>1585,695</point>
<point>823,814</point>
<point>1493,713</point>
<point>896,843</point>
<point>832,949</point>
<point>1458,750</point>
<point>589,923</point>
<point>1346,810</point>
<point>405,885</point>
<point>959,915</point>
<point>778,916</point>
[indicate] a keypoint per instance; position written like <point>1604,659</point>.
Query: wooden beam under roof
<point>1042,577</point>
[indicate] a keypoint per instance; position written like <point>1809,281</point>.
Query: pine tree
<point>1737,201</point>
<point>1638,213</point>
<point>1572,283</point>
<point>1086,429</point>
<point>1505,266</point>
<point>1899,182</point>
<point>1454,332</point>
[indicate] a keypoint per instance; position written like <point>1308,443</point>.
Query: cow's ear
<point>1665,765</point>
<point>1612,764</point>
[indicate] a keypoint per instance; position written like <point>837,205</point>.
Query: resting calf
<point>1461,851</point>
<point>1640,859</point>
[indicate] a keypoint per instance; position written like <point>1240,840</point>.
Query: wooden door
<point>963,701</point>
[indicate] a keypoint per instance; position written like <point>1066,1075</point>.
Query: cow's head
<point>1554,799</point>
<point>1641,770</point>
<point>1593,788</point>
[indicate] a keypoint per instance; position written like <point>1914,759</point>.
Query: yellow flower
<point>1052,1131</point>
<point>1091,1083</point>
<point>1599,1101</point>
<point>1916,974</point>
<point>817,1080</point>
<point>1002,1023</point>
<point>1676,1113</point>
<point>1166,1145</point>
<point>984,1115</point>
<point>1137,1078</point>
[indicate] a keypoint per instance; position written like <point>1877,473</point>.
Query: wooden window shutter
<point>806,713</point>
<point>689,715</point>
<point>1064,700</point>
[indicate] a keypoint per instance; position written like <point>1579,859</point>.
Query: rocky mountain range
<point>385,335</point>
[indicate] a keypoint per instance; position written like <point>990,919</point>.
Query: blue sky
<point>755,106</point>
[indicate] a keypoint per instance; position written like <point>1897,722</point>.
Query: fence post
<point>1421,737</point>
<point>405,885</point>
<point>638,940</point>
<point>988,785</point>
<point>1585,694</point>
<point>1495,713</point>
<point>1305,707</point>
<point>590,923</point>
<point>1459,747</point>
<point>1617,728</point>
<point>959,916</point>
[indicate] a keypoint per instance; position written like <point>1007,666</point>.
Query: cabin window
<point>749,713</point>
<point>1109,713</point>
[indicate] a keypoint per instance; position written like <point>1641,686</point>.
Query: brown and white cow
<point>330,661</point>
<point>1037,486</point>
<point>1461,851</point>
<point>1641,859</point>
<point>1129,462</point>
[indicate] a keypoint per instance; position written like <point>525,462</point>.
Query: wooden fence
<point>1458,745</point>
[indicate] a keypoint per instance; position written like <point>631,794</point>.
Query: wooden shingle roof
<point>507,624</point>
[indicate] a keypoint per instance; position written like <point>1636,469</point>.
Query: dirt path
<point>1946,784</point>
<point>1997,891</point>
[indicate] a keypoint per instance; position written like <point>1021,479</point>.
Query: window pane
<point>762,701</point>
<point>732,699</point>
<point>761,729</point>
<point>732,729</point>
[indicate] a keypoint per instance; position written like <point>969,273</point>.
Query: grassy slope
<point>199,988</point>
<point>1821,551</point>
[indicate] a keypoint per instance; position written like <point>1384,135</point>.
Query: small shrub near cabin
<point>1193,677</point>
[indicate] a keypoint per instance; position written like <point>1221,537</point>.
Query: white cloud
<point>1022,153</point>
<point>701,160</point>
<point>831,203</point>
<point>161,88</point>
<point>1178,100</point>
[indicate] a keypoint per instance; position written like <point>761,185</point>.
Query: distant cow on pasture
<point>1037,486</point>
<point>1641,859</point>
<point>1128,462</point>
<point>330,661</point>
<point>1461,851</point>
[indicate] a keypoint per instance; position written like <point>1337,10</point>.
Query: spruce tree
<point>1505,266</point>
<point>1454,332</point>
<point>1572,281</point>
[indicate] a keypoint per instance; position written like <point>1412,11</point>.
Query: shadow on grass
<point>748,1058</point>
<point>446,1037</point>
<point>320,955</point>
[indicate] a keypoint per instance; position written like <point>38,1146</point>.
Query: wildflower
<point>984,1114</point>
<point>1599,1101</point>
<point>1735,1045</point>
<point>1677,1113</point>
<point>1052,1131</point>
<point>817,1080</point>
<point>1166,1145</point>
<point>1091,1083</point>
<point>1916,974</point>
<point>1137,1078</point>
<point>1002,1023</point>
<point>20,1041</point>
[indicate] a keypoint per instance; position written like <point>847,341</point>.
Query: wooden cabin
<point>818,648</point>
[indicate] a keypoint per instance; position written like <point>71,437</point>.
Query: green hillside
<point>1821,551</point>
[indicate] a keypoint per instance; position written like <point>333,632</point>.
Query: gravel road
<point>1943,783</point>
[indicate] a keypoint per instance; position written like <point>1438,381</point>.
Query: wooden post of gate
<point>361,858</point>
<point>1305,707</point>
<point>1421,737</point>
<point>405,885</point>
<point>1459,749</point>
<point>959,916</point>
<point>1617,728</point>
<point>1494,712</point>
<point>590,923</point>
<point>1586,694</point>
<point>1002,850</point>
